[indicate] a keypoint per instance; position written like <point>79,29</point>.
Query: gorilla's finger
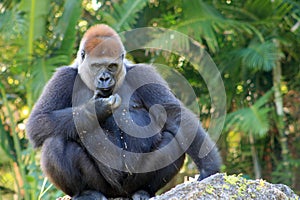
<point>117,102</point>
<point>111,100</point>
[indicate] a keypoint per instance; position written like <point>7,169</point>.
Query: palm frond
<point>167,40</point>
<point>6,141</point>
<point>125,15</point>
<point>13,19</point>
<point>259,56</point>
<point>254,119</point>
<point>36,14</point>
<point>268,9</point>
<point>65,28</point>
<point>42,71</point>
<point>207,23</point>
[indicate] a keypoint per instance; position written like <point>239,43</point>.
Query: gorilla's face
<point>102,75</point>
<point>102,69</point>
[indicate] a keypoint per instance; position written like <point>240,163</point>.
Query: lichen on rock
<point>222,186</point>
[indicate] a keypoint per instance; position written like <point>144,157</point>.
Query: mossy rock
<point>222,186</point>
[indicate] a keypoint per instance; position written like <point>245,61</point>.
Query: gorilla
<point>108,128</point>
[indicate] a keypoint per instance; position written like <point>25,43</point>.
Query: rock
<point>222,186</point>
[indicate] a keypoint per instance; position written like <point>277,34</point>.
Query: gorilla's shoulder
<point>65,73</point>
<point>140,67</point>
<point>145,73</point>
<point>66,70</point>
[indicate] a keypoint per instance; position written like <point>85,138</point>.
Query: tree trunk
<point>280,121</point>
<point>257,168</point>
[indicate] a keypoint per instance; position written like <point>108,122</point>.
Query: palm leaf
<point>6,141</point>
<point>43,66</point>
<point>207,23</point>
<point>125,15</point>
<point>268,9</point>
<point>66,28</point>
<point>14,20</point>
<point>253,119</point>
<point>43,70</point>
<point>167,40</point>
<point>259,56</point>
<point>36,12</point>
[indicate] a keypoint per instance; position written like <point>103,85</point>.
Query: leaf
<point>268,9</point>
<point>6,142</point>
<point>260,56</point>
<point>126,14</point>
<point>167,40</point>
<point>15,20</point>
<point>42,71</point>
<point>36,14</point>
<point>253,119</point>
<point>66,28</point>
<point>208,24</point>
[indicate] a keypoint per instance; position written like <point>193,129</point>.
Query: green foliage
<point>11,18</point>
<point>29,60</point>
<point>264,9</point>
<point>124,15</point>
<point>254,119</point>
<point>64,31</point>
<point>64,39</point>
<point>36,13</point>
<point>6,142</point>
<point>259,56</point>
<point>208,25</point>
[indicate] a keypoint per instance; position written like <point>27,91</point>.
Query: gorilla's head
<point>100,60</point>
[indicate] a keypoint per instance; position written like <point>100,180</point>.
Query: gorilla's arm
<point>202,150</point>
<point>52,114</point>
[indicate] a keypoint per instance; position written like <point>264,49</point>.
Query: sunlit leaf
<point>125,15</point>
<point>65,28</point>
<point>36,14</point>
<point>254,119</point>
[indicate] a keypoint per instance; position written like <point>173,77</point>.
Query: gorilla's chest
<point>125,128</point>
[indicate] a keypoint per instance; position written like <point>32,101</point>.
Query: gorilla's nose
<point>105,77</point>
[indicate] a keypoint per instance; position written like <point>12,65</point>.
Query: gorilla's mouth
<point>104,92</point>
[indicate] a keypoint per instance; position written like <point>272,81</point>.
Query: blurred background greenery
<point>254,43</point>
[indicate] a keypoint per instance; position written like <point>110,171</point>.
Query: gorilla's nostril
<point>104,79</point>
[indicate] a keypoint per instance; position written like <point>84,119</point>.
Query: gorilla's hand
<point>97,109</point>
<point>105,106</point>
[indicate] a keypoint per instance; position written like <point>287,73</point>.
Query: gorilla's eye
<point>112,67</point>
<point>82,54</point>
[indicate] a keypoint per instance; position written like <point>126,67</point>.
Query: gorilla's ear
<point>122,56</point>
<point>82,54</point>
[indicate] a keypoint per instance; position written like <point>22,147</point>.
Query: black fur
<point>68,164</point>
